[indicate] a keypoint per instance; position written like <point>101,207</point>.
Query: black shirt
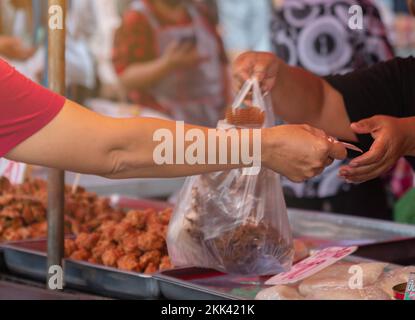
<point>385,89</point>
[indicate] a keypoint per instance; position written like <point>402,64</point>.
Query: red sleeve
<point>134,41</point>
<point>25,107</point>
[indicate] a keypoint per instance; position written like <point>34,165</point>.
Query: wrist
<point>166,64</point>
<point>271,142</point>
<point>408,124</point>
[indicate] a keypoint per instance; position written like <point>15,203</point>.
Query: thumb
<point>364,126</point>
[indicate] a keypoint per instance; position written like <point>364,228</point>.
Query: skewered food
<point>135,243</point>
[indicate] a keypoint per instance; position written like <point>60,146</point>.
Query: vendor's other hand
<point>182,56</point>
<point>13,48</point>
<point>394,138</point>
<point>299,152</point>
<point>264,66</point>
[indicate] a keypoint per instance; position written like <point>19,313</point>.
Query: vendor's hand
<point>182,55</point>
<point>113,91</point>
<point>299,152</point>
<point>264,66</point>
<point>394,138</point>
<point>13,48</point>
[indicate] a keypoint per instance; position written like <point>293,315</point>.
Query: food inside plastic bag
<point>232,222</point>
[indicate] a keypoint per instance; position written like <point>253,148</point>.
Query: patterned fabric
<point>315,35</point>
<point>401,179</point>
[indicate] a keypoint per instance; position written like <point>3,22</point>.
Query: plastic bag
<point>232,222</point>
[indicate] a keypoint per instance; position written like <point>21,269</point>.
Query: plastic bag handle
<point>258,98</point>
<point>240,97</point>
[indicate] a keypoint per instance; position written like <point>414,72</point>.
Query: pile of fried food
<point>333,283</point>
<point>136,243</point>
<point>23,210</point>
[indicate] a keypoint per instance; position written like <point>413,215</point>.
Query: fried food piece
<point>301,251</point>
<point>137,219</point>
<point>150,241</point>
<point>165,263</point>
<point>38,230</point>
<point>151,269</point>
<point>165,216</point>
<point>12,235</point>
<point>101,247</point>
<point>129,262</point>
<point>121,230</point>
<point>80,254</point>
<point>70,247</point>
<point>130,242</point>
<point>110,257</point>
<point>107,230</point>
<point>87,241</point>
<point>151,257</point>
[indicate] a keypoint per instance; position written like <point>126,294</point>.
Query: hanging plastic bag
<point>232,221</point>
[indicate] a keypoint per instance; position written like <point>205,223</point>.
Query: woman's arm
<point>298,95</point>
<point>82,141</point>
<point>143,75</point>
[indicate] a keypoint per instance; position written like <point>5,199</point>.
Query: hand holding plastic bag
<point>233,222</point>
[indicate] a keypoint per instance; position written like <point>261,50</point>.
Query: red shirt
<point>25,107</point>
<point>135,42</point>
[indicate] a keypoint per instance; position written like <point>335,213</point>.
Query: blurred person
<point>315,35</point>
<point>27,21</point>
<point>170,58</point>
<point>373,106</point>
<point>96,22</point>
<point>245,25</point>
<point>18,34</point>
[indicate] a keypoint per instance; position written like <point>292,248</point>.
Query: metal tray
<point>206,284</point>
<point>378,240</point>
<point>196,284</point>
<point>28,259</point>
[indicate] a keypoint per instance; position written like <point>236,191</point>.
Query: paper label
<point>410,289</point>
<point>14,171</point>
<point>317,262</point>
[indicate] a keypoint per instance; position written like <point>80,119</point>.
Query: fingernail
<point>354,164</point>
<point>349,181</point>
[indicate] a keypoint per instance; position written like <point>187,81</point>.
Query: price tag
<point>312,265</point>
<point>13,171</point>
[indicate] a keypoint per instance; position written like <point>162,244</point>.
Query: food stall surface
<point>15,291</point>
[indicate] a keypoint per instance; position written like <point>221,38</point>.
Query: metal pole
<point>56,179</point>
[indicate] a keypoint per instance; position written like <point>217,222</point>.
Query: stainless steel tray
<point>205,284</point>
<point>28,259</point>
<point>195,284</point>
<point>378,240</point>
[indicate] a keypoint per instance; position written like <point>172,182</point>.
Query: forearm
<point>81,141</point>
<point>138,150</point>
<point>298,95</point>
<point>146,74</point>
